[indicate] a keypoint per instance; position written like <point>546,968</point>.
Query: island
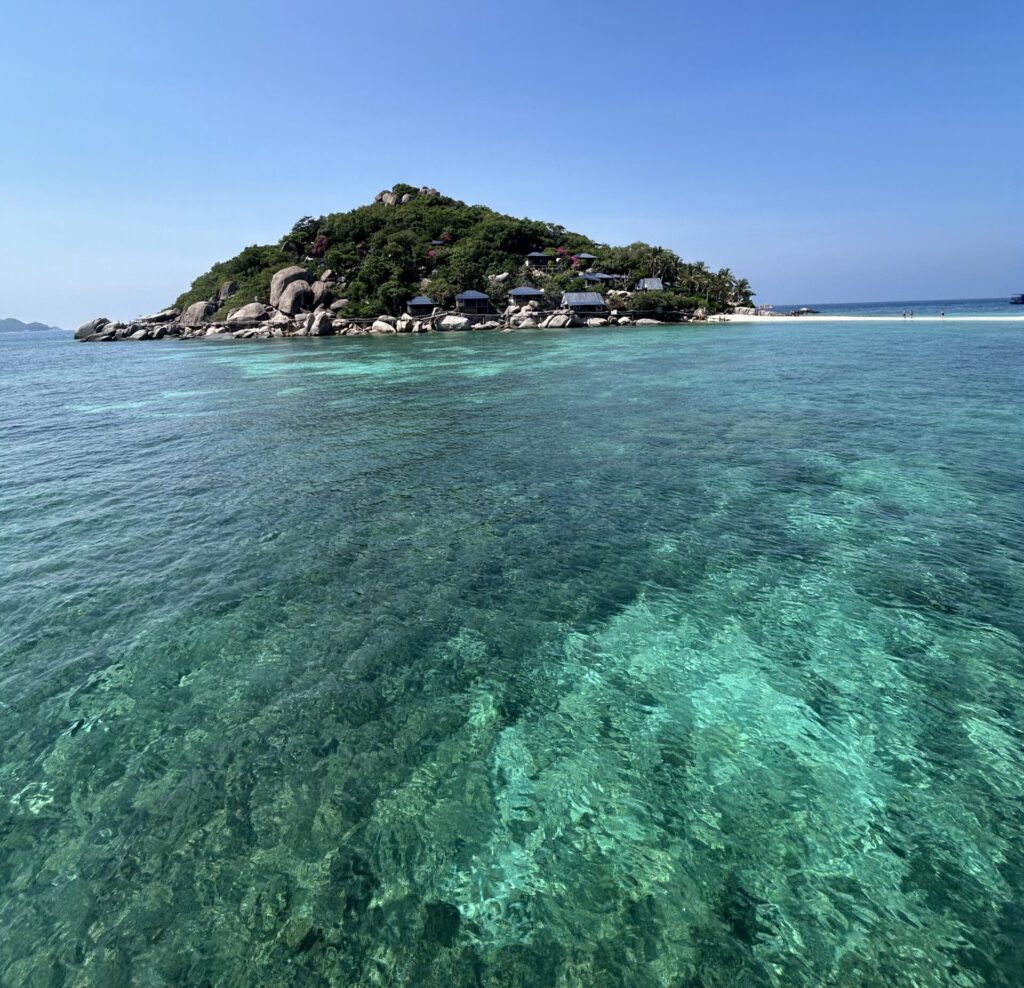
<point>17,326</point>
<point>415,261</point>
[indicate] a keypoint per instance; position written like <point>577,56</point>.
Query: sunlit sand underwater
<point>651,657</point>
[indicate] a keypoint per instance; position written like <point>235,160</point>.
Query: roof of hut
<point>581,298</point>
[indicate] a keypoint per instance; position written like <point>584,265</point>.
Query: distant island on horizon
<point>17,326</point>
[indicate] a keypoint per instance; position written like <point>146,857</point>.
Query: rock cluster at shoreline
<point>303,305</point>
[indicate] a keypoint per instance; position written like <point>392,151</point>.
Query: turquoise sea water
<point>650,657</point>
<point>952,308</point>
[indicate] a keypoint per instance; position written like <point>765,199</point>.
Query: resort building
<point>538,259</point>
<point>584,303</point>
<point>600,278</point>
<point>473,303</point>
<point>650,285</point>
<point>585,259</point>
<point>421,305</point>
<point>525,294</point>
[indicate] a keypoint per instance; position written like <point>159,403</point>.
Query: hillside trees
<point>384,254</point>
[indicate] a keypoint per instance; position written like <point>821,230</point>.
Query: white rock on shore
<point>252,311</point>
<point>198,313</point>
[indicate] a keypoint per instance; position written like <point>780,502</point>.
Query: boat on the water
<point>1017,300</point>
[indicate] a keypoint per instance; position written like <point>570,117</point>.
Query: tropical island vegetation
<point>412,240</point>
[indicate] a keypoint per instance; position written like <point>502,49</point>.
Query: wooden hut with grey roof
<point>584,303</point>
<point>525,293</point>
<point>473,303</point>
<point>538,259</point>
<point>421,305</point>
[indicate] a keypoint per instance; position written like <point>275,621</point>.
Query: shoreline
<point>321,324</point>
<point>385,325</point>
<point>730,317</point>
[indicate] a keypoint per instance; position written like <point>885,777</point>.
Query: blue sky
<point>825,151</point>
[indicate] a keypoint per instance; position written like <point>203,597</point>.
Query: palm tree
<point>743,295</point>
<point>696,276</point>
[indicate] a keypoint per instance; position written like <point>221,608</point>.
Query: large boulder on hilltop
<point>387,197</point>
<point>90,328</point>
<point>282,279</point>
<point>226,291</point>
<point>296,297</point>
<point>197,313</point>
<point>254,310</point>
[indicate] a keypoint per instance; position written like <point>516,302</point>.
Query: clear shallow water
<point>952,307</point>
<point>669,657</point>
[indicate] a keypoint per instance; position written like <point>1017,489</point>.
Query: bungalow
<point>599,277</point>
<point>585,259</point>
<point>421,305</point>
<point>538,259</point>
<point>584,303</point>
<point>650,285</point>
<point>473,303</point>
<point>525,294</point>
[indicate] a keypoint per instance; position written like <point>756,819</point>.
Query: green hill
<point>412,240</point>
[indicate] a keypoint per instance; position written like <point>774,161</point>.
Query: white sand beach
<point>894,318</point>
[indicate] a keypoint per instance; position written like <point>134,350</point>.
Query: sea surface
<point>666,656</point>
<point>949,308</point>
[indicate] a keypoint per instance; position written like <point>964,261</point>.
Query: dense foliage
<point>384,254</point>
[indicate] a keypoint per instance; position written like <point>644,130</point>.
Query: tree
<point>382,254</point>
